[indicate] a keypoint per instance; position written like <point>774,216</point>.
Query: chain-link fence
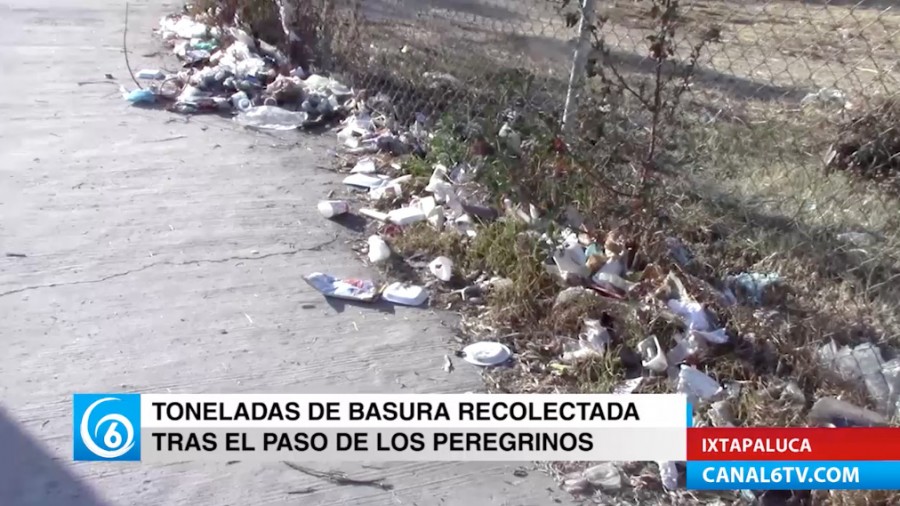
<point>769,50</point>
<point>775,90</point>
<point>782,131</point>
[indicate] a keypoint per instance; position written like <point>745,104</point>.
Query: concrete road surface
<point>165,255</point>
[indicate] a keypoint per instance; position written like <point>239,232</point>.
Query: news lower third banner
<point>480,427</point>
<point>373,427</point>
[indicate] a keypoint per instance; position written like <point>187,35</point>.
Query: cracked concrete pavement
<point>156,254</point>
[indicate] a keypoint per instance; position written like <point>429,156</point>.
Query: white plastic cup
<point>332,208</point>
<point>441,268</point>
<point>379,251</point>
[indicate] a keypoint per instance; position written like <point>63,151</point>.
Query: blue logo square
<point>107,427</point>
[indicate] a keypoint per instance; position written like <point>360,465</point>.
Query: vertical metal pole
<point>579,61</point>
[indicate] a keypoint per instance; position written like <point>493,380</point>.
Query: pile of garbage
<point>590,266</point>
<point>228,71</point>
<point>449,202</point>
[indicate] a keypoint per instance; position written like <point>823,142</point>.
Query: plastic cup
<point>441,268</point>
<point>332,208</point>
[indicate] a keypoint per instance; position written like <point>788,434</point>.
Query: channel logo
<point>107,427</point>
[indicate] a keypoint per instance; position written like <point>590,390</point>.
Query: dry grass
<point>751,194</point>
<point>742,208</point>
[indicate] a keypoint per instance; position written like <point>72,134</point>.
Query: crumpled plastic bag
<point>697,385</point>
<point>593,341</point>
<point>351,289</point>
<point>183,27</point>
<point>692,312</point>
<point>751,286</point>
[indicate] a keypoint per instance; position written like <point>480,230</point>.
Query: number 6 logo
<point>113,438</point>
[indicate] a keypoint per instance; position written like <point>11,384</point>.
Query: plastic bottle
<point>378,249</point>
<point>271,117</point>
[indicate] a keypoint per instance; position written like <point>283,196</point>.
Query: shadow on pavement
<point>341,305</point>
<point>351,222</point>
<point>29,476</point>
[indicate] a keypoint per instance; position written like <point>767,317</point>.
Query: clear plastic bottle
<point>271,117</point>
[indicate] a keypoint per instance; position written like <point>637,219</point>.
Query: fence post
<point>579,61</point>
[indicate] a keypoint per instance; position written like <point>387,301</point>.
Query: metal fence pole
<point>579,61</point>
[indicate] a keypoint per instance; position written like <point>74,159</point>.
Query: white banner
<point>347,411</point>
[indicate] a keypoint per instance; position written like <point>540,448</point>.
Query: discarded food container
<point>406,215</point>
<point>689,345</point>
<point>696,384</point>
<point>569,260</point>
<point>350,288</point>
<point>486,353</point>
<point>378,249</point>
<point>427,204</point>
<point>385,190</point>
<point>442,268</point>
<point>436,218</point>
<point>364,166</point>
<point>332,208</point>
<point>652,355</point>
<point>407,295</point>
